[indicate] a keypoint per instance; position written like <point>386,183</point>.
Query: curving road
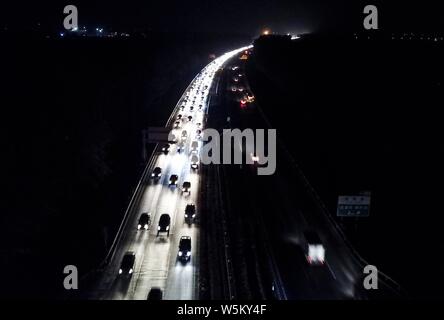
<point>156,263</point>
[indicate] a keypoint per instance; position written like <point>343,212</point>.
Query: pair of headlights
<point>130,271</point>
<point>181,253</point>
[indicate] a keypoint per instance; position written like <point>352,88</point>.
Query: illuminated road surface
<point>156,263</point>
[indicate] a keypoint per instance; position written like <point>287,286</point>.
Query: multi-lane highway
<point>156,262</point>
<point>267,218</point>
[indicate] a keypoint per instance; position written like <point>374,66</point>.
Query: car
<point>157,173</point>
<point>184,253</point>
<point>200,107</point>
<point>144,221</point>
<point>127,264</point>
<point>199,125</point>
<point>155,294</point>
<point>314,249</point>
<point>184,134</point>
<point>179,116</point>
<point>180,147</point>
<point>191,108</point>
<point>186,187</point>
<point>182,107</point>
<point>190,118</point>
<point>198,133</point>
<point>194,146</point>
<point>173,179</point>
<point>190,212</point>
<point>254,158</point>
<point>177,124</point>
<point>194,162</point>
<point>164,224</point>
<point>166,148</point>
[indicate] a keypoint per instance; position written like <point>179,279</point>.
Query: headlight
<point>120,271</point>
<point>186,215</point>
<point>168,228</point>
<point>194,215</point>
<point>139,226</point>
<point>130,270</point>
<point>158,228</point>
<point>188,253</point>
<point>152,174</point>
<point>180,253</point>
<point>146,227</point>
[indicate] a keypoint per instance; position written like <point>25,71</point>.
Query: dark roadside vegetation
<point>73,114</point>
<point>363,114</point>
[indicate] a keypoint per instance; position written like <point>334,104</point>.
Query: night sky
<point>228,16</point>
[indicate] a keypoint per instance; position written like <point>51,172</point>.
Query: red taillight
<point>243,104</point>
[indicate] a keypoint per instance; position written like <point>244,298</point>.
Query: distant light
<point>74,29</point>
<point>294,37</point>
<point>62,34</point>
<point>266,32</point>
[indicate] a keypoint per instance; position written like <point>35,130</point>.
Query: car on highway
<point>164,224</point>
<point>254,158</point>
<point>190,212</point>
<point>157,173</point>
<point>184,135</point>
<point>166,148</point>
<point>184,253</point>
<point>191,108</point>
<point>314,249</point>
<point>144,221</point>
<point>190,118</point>
<point>176,124</point>
<point>186,186</point>
<point>180,146</point>
<point>155,294</point>
<point>179,116</point>
<point>198,134</point>
<point>173,179</point>
<point>127,264</point>
<point>200,107</point>
<point>194,146</point>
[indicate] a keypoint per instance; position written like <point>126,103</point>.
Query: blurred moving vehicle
<point>184,253</point>
<point>164,224</point>
<point>126,267</point>
<point>144,221</point>
<point>314,249</point>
